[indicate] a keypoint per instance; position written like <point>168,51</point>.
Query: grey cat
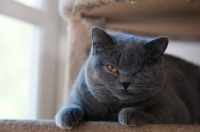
<point>129,79</point>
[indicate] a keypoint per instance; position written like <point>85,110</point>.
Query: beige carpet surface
<point>49,126</point>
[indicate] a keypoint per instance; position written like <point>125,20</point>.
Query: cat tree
<point>180,20</point>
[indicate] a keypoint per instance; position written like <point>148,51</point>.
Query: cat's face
<point>124,68</point>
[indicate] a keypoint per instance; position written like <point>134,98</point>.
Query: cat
<point>128,79</point>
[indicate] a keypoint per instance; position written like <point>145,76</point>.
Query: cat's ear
<point>155,49</point>
<point>100,39</point>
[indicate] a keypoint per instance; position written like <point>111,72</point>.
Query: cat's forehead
<point>127,52</point>
<point>128,45</point>
<point>129,58</point>
<point>120,38</point>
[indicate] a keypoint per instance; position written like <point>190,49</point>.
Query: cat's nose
<point>125,84</point>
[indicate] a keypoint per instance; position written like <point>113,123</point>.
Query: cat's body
<point>141,86</point>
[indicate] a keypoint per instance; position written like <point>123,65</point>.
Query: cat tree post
<point>78,45</point>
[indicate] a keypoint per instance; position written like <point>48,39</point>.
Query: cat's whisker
<point>153,92</point>
<point>152,88</point>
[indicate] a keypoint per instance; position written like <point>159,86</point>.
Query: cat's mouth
<point>132,95</point>
<point>135,91</point>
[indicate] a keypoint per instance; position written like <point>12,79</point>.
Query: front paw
<point>69,117</point>
<point>131,117</point>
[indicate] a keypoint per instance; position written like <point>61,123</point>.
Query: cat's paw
<point>69,117</point>
<point>131,117</point>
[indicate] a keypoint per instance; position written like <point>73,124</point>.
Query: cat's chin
<point>132,100</point>
<point>125,94</point>
<point>128,97</point>
<point>124,99</point>
<point>107,99</point>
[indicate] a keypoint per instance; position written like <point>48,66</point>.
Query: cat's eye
<point>112,69</point>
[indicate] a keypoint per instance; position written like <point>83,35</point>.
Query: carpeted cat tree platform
<point>177,19</point>
<point>49,126</point>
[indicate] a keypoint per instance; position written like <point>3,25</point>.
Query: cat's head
<point>123,67</point>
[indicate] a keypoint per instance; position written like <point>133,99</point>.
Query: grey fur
<point>161,88</point>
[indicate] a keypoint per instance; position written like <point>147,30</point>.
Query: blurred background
<point>33,54</point>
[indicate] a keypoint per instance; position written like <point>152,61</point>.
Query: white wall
<point>189,51</point>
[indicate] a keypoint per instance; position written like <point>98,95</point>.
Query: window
<point>186,50</point>
<point>32,50</point>
<point>37,4</point>
<point>14,66</point>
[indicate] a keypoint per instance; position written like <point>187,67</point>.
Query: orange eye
<point>112,69</point>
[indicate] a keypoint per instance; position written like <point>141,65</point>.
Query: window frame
<point>48,65</point>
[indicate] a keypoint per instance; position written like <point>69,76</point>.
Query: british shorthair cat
<point>128,79</point>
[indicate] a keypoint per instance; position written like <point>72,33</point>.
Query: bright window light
<point>32,3</point>
<point>15,53</point>
<point>189,51</point>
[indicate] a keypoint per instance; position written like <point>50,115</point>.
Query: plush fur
<point>148,87</point>
<point>49,126</point>
<point>71,7</point>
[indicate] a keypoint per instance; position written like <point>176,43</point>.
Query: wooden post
<point>78,45</point>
